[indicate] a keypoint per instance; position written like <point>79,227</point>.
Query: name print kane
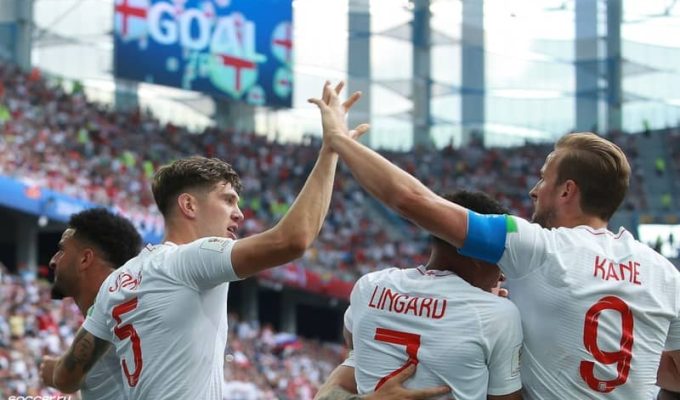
<point>609,270</point>
<point>393,301</point>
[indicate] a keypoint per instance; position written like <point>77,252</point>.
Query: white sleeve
<point>203,263</point>
<point>526,247</point>
<point>97,315</point>
<point>348,319</point>
<point>354,298</point>
<point>503,331</point>
<point>673,338</point>
<point>349,361</point>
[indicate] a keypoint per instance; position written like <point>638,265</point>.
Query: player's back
<point>104,381</point>
<point>596,311</point>
<point>169,334</point>
<point>458,333</point>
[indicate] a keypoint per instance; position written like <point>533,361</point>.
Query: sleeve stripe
<point>511,224</point>
<point>486,235</point>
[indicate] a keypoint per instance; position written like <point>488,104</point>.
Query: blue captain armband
<point>485,238</point>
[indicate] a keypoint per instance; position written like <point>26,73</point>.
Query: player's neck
<point>88,292</point>
<point>580,219</point>
<point>448,259</point>
<point>179,233</point>
<point>444,260</point>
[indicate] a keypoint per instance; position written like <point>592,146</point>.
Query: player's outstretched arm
<point>393,388</point>
<point>70,369</point>
<point>667,395</point>
<point>668,375</point>
<point>399,190</point>
<point>297,229</point>
<point>512,396</point>
<point>340,381</point>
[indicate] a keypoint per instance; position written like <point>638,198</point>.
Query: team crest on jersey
<point>126,280</point>
<point>215,244</point>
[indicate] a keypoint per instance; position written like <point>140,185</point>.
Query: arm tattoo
<point>337,393</point>
<point>85,351</point>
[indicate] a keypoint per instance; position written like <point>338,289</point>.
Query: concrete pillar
<point>473,113</point>
<point>359,62</point>
<point>234,115</point>
<point>27,243</point>
<point>126,95</point>
<point>249,300</point>
<point>587,66</point>
<point>614,78</point>
<point>422,77</point>
<point>16,30</point>
<point>288,312</point>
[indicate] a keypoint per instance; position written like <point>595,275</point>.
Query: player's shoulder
<point>644,252</point>
<point>386,276</point>
<point>499,308</point>
<point>380,274</point>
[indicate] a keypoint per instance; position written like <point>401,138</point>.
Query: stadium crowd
<point>59,140</point>
<point>260,362</point>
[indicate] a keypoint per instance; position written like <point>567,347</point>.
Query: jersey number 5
<point>410,340</point>
<point>622,358</point>
<point>128,331</point>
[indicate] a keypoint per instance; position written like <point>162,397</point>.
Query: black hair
<point>476,201</point>
<point>112,235</point>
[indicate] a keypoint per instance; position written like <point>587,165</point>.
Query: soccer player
<point>443,317</point>
<point>94,244</point>
<point>165,311</point>
<point>439,318</point>
<point>598,308</point>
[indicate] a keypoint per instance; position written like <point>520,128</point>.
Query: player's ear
<point>86,258</point>
<point>187,205</point>
<point>570,190</point>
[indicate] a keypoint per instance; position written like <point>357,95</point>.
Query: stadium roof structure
<point>529,70</point>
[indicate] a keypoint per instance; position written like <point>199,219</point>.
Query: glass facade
<point>529,71</point>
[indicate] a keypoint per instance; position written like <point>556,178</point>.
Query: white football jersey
<point>459,335</point>
<point>597,309</point>
<point>165,311</point>
<point>104,381</point>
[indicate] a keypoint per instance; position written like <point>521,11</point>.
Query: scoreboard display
<point>234,49</point>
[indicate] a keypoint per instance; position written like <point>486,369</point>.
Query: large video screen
<point>235,49</point>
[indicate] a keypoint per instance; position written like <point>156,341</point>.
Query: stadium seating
<point>61,141</point>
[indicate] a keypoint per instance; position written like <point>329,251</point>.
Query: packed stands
<point>60,141</point>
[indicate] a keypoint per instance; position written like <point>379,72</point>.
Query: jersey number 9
<point>622,358</point>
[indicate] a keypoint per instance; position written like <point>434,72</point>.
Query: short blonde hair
<point>599,168</point>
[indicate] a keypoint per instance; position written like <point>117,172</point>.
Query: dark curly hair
<point>476,201</point>
<point>113,236</point>
<point>190,173</point>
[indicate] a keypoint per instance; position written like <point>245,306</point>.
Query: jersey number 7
<point>128,331</point>
<point>410,340</point>
<point>622,358</point>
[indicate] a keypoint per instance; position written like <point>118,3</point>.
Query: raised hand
<point>394,389</point>
<point>334,113</point>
